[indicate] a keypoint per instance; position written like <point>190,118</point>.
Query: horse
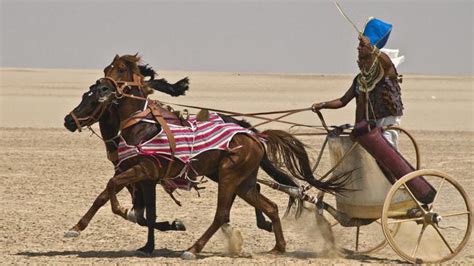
<point>108,128</point>
<point>234,170</point>
<point>108,124</point>
<point>126,67</point>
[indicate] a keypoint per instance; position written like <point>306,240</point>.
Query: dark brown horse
<point>234,171</point>
<point>127,68</point>
<point>108,124</point>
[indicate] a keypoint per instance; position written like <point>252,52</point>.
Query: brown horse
<point>127,68</point>
<point>235,170</point>
<point>109,130</point>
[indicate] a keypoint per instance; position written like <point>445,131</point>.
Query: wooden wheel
<point>430,233</point>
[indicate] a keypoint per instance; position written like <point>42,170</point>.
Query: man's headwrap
<point>377,31</point>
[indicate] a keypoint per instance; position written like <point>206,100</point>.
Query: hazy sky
<point>252,36</point>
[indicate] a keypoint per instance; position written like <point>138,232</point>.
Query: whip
<point>347,18</point>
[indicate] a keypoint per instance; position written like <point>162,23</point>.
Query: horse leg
<point>86,218</point>
<point>135,174</point>
<point>136,214</point>
<point>149,196</point>
<point>226,190</point>
<point>248,192</point>
<point>262,223</point>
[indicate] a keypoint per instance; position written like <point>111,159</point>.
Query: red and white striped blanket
<point>191,141</point>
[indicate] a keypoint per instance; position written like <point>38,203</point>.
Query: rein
<point>259,115</point>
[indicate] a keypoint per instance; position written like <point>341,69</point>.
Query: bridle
<point>120,88</point>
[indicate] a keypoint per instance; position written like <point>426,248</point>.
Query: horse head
<point>95,102</point>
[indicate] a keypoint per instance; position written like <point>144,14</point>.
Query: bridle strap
<point>76,120</point>
<point>94,117</point>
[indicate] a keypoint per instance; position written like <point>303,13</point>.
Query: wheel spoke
<point>455,214</point>
<point>405,220</point>
<point>437,194</point>
<point>442,237</point>
<point>418,241</point>
<point>414,198</point>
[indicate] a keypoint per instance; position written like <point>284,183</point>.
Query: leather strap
<point>159,117</point>
<point>132,120</point>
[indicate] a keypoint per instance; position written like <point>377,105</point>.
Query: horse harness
<point>152,107</point>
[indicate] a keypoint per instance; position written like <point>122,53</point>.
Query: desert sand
<point>49,176</point>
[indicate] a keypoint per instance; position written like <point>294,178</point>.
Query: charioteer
<point>376,88</point>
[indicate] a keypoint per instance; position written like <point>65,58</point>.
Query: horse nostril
<point>68,119</point>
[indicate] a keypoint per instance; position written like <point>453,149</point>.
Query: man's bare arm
<point>337,103</point>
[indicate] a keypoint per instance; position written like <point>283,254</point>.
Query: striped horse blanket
<point>191,140</point>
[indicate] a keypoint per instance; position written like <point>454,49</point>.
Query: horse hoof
<point>72,233</point>
<point>145,251</point>
<point>179,225</point>
<point>277,250</point>
<point>188,256</point>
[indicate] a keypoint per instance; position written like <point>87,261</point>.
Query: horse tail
<point>266,164</point>
<point>269,167</point>
<point>284,147</point>
<point>177,89</point>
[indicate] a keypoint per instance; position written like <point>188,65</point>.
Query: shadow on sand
<point>167,253</point>
<point>343,254</point>
<point>163,253</point>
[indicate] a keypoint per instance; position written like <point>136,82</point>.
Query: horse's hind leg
<point>248,192</point>
<point>262,223</point>
<point>226,189</point>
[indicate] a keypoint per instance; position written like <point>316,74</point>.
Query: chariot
<point>378,209</point>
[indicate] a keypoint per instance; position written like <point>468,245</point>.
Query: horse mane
<point>134,62</point>
<point>147,71</point>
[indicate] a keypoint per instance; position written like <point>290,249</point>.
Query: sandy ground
<point>49,177</point>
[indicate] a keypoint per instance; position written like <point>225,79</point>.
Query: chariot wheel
<point>433,232</point>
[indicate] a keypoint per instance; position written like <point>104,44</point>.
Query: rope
<point>255,115</point>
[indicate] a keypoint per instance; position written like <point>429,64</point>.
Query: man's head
<point>364,48</point>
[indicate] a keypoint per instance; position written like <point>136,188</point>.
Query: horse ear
<point>117,57</point>
<point>137,58</point>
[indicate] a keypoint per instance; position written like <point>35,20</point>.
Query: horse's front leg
<point>149,197</point>
<point>135,174</point>
<point>85,220</point>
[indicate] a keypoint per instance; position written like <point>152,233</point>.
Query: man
<point>376,87</point>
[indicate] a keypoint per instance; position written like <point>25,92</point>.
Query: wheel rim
<point>430,220</point>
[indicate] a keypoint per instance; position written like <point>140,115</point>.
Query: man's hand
<point>317,106</point>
